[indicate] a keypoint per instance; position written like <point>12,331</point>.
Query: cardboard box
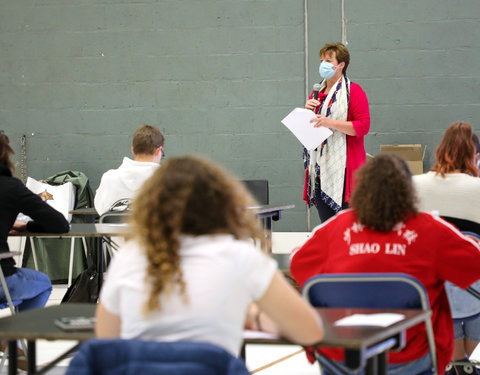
<point>413,154</point>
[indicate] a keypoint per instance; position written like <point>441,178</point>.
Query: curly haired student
<point>191,271</point>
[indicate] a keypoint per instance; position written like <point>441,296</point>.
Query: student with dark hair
<point>191,271</point>
<point>452,190</point>
<point>30,286</point>
<point>123,183</point>
<point>384,232</point>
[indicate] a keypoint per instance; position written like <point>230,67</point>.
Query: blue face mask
<point>326,70</point>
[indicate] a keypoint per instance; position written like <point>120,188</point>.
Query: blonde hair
<point>187,195</point>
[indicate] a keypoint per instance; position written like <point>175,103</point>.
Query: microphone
<point>316,89</point>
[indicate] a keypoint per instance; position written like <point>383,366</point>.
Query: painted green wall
<point>77,78</point>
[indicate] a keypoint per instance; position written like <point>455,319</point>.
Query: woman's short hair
<point>456,152</point>
<point>188,196</point>
<point>384,195</point>
<point>341,53</point>
<point>6,151</point>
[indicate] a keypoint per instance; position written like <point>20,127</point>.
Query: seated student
<point>416,243</point>
<point>30,286</point>
<point>191,271</point>
<point>123,183</point>
<point>452,186</point>
<point>452,189</point>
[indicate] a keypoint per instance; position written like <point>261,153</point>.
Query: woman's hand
<point>312,104</point>
<point>321,120</point>
<point>19,226</point>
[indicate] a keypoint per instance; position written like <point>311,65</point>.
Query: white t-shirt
<point>122,183</point>
<point>222,275</point>
<point>456,195</point>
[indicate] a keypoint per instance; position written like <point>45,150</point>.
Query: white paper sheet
<point>248,334</point>
<point>298,122</point>
<point>60,197</point>
<point>377,320</point>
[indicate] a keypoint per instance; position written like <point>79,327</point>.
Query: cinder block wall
<point>77,78</point>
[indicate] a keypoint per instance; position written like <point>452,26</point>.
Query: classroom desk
<point>364,346</point>
<point>82,230</point>
<point>38,324</point>
<point>266,213</point>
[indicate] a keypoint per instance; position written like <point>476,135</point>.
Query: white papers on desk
<point>248,334</point>
<point>298,121</point>
<point>60,197</point>
<point>377,320</point>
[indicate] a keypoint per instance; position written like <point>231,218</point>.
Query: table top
<point>82,230</point>
<point>364,336</point>
<point>354,337</point>
<point>260,209</point>
<point>268,208</point>
<point>39,324</point>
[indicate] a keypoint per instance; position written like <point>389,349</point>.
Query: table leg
<point>267,232</point>
<point>243,352</point>
<point>372,366</point>
<point>12,357</point>
<point>100,263</point>
<point>31,358</point>
<point>382,363</point>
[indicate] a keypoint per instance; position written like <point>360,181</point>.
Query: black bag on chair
<point>84,288</point>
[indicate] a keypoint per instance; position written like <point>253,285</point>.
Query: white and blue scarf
<point>330,159</point>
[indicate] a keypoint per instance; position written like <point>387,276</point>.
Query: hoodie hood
<point>133,173</point>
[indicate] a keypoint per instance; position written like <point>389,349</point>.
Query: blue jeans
<point>31,287</point>
<point>421,366</point>
<point>468,327</point>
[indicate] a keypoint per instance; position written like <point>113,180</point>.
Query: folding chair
<point>113,217</point>
<point>130,357</point>
<point>370,290</point>
<point>10,303</point>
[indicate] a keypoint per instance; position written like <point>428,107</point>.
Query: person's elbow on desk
<point>285,312</point>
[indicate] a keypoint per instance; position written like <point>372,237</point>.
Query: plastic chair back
<point>371,290</point>
<point>114,217</point>
<point>366,291</point>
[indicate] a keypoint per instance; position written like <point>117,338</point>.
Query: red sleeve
<point>458,259</point>
<point>359,112</point>
<point>308,260</point>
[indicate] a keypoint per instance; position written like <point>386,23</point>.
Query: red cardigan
<point>359,115</point>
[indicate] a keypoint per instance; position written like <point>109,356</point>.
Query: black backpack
<point>84,288</point>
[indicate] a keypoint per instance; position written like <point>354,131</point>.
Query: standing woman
<point>30,286</point>
<point>191,271</point>
<point>452,189</point>
<point>342,106</point>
